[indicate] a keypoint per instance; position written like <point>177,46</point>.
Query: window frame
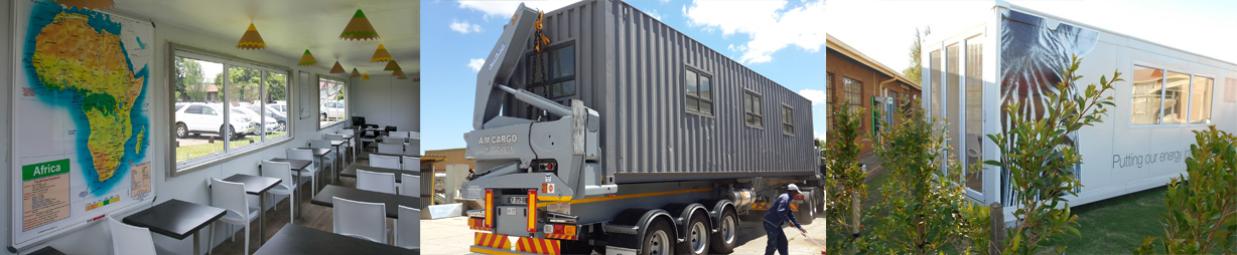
<point>687,95</point>
<point>857,106</point>
<point>758,104</point>
<point>551,53</point>
<point>1189,120</point>
<point>1188,94</point>
<point>347,100</point>
<point>182,51</point>
<point>787,116</point>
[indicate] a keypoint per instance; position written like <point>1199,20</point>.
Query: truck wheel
<point>698,233</point>
<point>659,240</point>
<point>724,240</point>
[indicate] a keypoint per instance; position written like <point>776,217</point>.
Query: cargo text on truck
<point>599,128</point>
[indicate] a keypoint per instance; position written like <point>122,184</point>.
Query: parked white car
<point>197,118</point>
<point>332,110</point>
<point>271,114</point>
<point>270,124</point>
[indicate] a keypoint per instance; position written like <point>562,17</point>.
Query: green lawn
<point>1118,225</point>
<point>188,152</point>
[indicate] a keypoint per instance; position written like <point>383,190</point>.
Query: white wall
<point>189,186</point>
<point>385,100</point>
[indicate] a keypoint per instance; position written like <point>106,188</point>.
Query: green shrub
<point>844,181</point>
<point>1202,212</point>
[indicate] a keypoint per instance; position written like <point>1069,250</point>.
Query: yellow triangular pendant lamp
<point>251,40</point>
<point>88,4</point>
<point>338,68</point>
<point>307,59</point>
<point>355,73</point>
<point>359,28</point>
<point>381,54</point>
<point>391,66</point>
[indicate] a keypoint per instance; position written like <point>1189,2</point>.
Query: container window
<point>552,74</point>
<point>753,116</point>
<point>1200,99</point>
<point>934,77</point>
<point>1146,96</point>
<point>699,91</point>
<point>974,112</point>
<point>1175,98</point>
<point>952,93</point>
<point>788,126</point>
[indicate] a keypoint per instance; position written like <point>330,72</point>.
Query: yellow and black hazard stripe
<point>496,241</point>
<point>538,246</point>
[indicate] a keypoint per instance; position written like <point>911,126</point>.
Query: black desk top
<point>392,201</point>
<point>47,251</point>
<point>296,163</point>
<point>297,239</point>
<point>175,218</point>
<point>317,151</point>
<point>350,171</point>
<point>254,184</point>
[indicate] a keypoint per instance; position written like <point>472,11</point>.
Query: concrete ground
<point>452,236</point>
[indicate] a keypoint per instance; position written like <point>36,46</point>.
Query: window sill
<point>332,125</point>
<point>200,163</point>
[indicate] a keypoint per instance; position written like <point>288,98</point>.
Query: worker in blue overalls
<point>776,216</point>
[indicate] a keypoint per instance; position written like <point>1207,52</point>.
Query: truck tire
<point>698,234</point>
<point>727,235</point>
<point>659,240</point>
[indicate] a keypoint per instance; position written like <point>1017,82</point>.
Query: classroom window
<point>1175,87</point>
<point>852,90</point>
<point>699,90</point>
<point>332,102</point>
<point>752,112</point>
<point>1146,97</point>
<point>788,126</point>
<point>1200,99</point>
<point>216,109</point>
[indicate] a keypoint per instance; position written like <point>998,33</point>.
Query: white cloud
<point>505,9</point>
<point>476,64</point>
<point>464,27</point>
<point>770,26</point>
<point>815,95</point>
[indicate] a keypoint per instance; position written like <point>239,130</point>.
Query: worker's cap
<point>792,187</point>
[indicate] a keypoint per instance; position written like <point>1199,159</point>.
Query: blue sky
<point>782,40</point>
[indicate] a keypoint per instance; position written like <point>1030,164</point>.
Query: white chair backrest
<point>360,219</point>
<point>130,239</point>
<point>375,181</point>
<point>387,161</point>
<point>398,134</point>
<point>319,144</point>
<point>281,170</point>
<point>408,228</point>
<point>391,148</point>
<point>300,154</point>
<point>333,137</point>
<point>411,163</point>
<point>410,185</point>
<point>229,196</point>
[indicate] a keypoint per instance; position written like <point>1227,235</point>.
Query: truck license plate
<point>520,200</point>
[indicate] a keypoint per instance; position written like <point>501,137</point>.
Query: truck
<point>1016,55</point>
<point>599,129</point>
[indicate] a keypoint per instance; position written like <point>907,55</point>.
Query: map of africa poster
<point>81,125</point>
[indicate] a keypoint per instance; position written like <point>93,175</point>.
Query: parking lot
<point>452,236</point>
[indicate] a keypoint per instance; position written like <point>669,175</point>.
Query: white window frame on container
<point>347,110</point>
<point>698,97</point>
<point>1163,96</point>
<point>753,109</point>
<point>788,123</point>
<point>227,61</point>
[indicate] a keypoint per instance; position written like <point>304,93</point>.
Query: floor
<point>452,236</point>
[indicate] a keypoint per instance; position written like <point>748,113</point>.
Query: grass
<point>189,152</point>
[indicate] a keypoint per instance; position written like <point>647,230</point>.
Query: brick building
<point>866,85</point>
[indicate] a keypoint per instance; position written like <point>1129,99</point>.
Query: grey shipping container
<point>632,69</point>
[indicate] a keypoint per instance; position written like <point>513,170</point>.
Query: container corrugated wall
<point>630,68</point>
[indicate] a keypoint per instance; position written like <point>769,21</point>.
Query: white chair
<point>311,171</point>
<point>352,132</point>
<point>411,163</point>
<point>345,147</point>
<point>329,159</point>
<point>360,219</point>
<point>410,185</point>
<point>130,239</point>
<point>384,161</point>
<point>283,171</point>
<point>396,148</point>
<point>375,181</point>
<point>231,197</point>
<point>408,228</point>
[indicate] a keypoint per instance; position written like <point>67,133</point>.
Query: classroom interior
<point>248,106</point>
